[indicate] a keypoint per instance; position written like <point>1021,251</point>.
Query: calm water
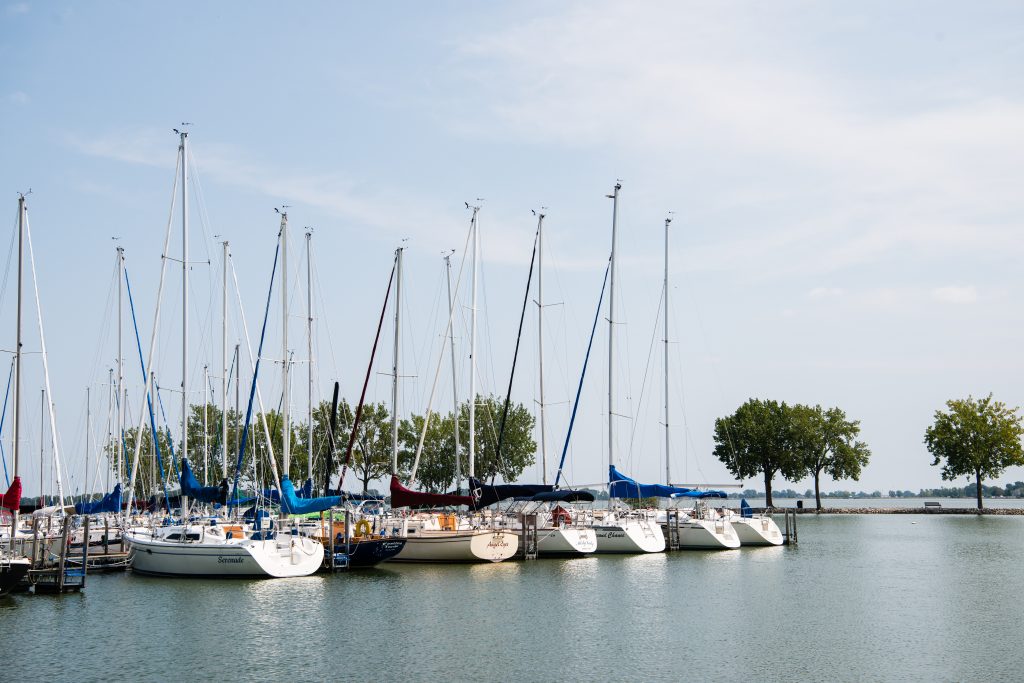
<point>931,598</point>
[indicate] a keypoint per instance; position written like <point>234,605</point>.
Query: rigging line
<point>254,362</point>
<point>253,388</point>
<point>583,374</point>
<point>167,429</point>
<point>149,401</point>
<point>104,324</point>
<point>7,267</point>
<point>515,355</point>
<point>440,357</point>
<point>46,366</point>
<point>647,368</point>
<point>366,382</point>
<point>156,327</point>
<point>7,393</point>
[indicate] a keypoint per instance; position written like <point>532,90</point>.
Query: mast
<point>88,425</point>
<point>394,363</point>
<point>668,470</point>
<point>472,347</point>
<point>110,412</point>
<point>184,297</point>
<point>238,371</point>
<point>309,349</point>
<point>286,451</point>
<point>17,358</point>
<point>120,365</point>
<point>611,333</point>
<point>224,368</point>
<point>455,385</point>
<point>540,344</point>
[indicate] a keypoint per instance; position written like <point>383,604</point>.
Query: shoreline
<point>898,511</point>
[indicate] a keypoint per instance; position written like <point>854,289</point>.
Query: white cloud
<point>955,295</point>
<point>19,98</point>
<point>18,8</point>
<point>825,293</point>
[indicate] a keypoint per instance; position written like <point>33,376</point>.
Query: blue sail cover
<point>291,504</point>
<point>489,494</point>
<point>191,487</point>
<point>621,486</point>
<point>745,509</point>
<point>108,503</point>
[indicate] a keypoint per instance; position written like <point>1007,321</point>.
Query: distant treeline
<point>1014,490</point>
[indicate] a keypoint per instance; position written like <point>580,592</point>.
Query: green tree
<point>518,449</point>
<point>825,441</point>
<point>975,437</point>
<point>758,439</point>
<point>436,471</point>
<point>371,451</point>
<point>212,464</point>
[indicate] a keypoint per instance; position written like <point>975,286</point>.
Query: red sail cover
<point>12,499</point>
<point>403,497</point>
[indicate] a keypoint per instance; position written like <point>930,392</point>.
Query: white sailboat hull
<point>276,558</point>
<point>562,541</point>
<point>758,531</point>
<point>701,534</point>
<point>630,536</point>
<point>477,545</point>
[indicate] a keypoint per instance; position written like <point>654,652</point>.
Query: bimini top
<point>108,503</point>
<point>621,486</point>
<point>291,504</point>
<point>489,494</point>
<point>191,487</point>
<point>403,497</point>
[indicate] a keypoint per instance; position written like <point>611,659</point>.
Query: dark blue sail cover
<point>291,504</point>
<point>191,487</point>
<point>621,486</point>
<point>108,503</point>
<point>489,494</point>
<point>745,509</point>
<point>563,496</point>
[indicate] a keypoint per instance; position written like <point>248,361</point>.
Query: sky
<point>844,183</point>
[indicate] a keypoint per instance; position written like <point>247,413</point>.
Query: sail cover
<point>403,497</point>
<point>291,504</point>
<point>12,499</point>
<point>108,503</point>
<point>191,487</point>
<point>621,486</point>
<point>745,509</point>
<point>564,496</point>
<point>489,494</point>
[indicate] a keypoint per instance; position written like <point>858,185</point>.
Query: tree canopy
<point>826,441</point>
<point>975,437</point>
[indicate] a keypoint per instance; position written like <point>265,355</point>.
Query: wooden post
<point>35,544</point>
<point>330,532</point>
<point>63,554</point>
<point>106,535</point>
<point>85,551</point>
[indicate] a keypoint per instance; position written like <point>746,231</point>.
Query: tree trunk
<point>817,491</point>
<point>767,489</point>
<point>977,478</point>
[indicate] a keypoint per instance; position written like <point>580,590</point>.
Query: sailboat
<point>558,528</point>
<point>618,529</point>
<point>443,536</point>
<point>220,549</point>
<point>14,566</point>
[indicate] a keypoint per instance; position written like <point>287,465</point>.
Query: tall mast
<point>472,347</point>
<point>455,385</point>
<point>309,349</point>
<point>238,370</point>
<point>611,333</point>
<point>88,425</point>
<point>184,296</point>
<point>285,413</point>
<point>540,344</point>
<point>224,368</point>
<point>668,470</point>
<point>110,412</point>
<point>17,358</point>
<point>394,363</point>
<point>120,365</point>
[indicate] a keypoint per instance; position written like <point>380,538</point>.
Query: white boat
<point>206,551</point>
<point>560,533</point>
<point>619,533</point>
<point>697,533</point>
<point>757,530</point>
<point>437,537</point>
